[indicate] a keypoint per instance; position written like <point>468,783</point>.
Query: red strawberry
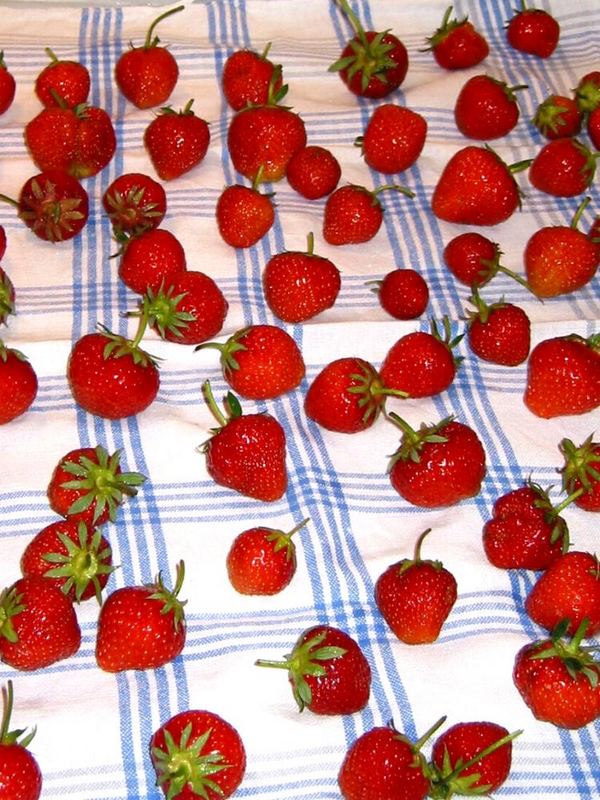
<point>415,597</point>
<point>353,214</point>
<point>75,559</point>
<point>477,188</point>
<point>18,384</point>
<point>498,332</point>
<point>327,670</point>
<point>176,141</point>
<point>141,627</point>
<point>20,774</point>
<point>581,472</point>
<point>299,285</point>
<point>262,561</point>
<point>7,296</point>
<point>134,203</point>
<point>2,242</point>
<point>563,168</point>
<point>247,452</point>
<point>593,127</point>
<point>246,77</point>
<point>474,260</point>
<point>151,259</point>
<point>62,82</point>
<point>563,376</point>
<point>313,172</point>
<point>403,293</point>
<point>8,86</point>
<point>211,750</point>
<point>457,44</point>
<point>244,215</point>
<point>38,624</point>
<point>260,362</point>
<point>438,465</point>
<point>533,31</point>
<point>87,485</point>
<point>393,139</point>
<point>587,92</point>
<point>486,108</point>
<point>373,63</point>
<point>148,74</point>
<point>558,117</point>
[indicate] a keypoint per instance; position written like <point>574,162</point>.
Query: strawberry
<point>247,452</point>
<point>246,77</point>
<point>299,285</point>
<point>176,141</point>
<point>327,670</point>
<point>18,384</point>
<point>62,82</point>
<point>559,681</point>
<point>393,139</point>
<point>354,214</point>
<point>244,215</point>
<point>141,627</point>
<point>563,168</point>
<point>260,362</point>
<point>593,127</point>
<point>581,472</point>
<point>498,332</point>
<point>20,774</point>
<point>415,597</point>
<point>477,188</point>
<point>560,259</point>
<point>457,44</point>
<point>587,92</point>
<point>87,485</point>
<point>474,260</point>
<point>151,259</point>
<point>8,86</point>
<point>558,117</point>
<point>373,63</point>
<point>438,465</point>
<point>196,753</point>
<point>563,376</point>
<point>403,293</point>
<point>148,74</point>
<point>313,172</point>
<point>7,296</point>
<point>486,108</point>
<point>3,242</point>
<point>262,561</point>
<point>533,31</point>
<point>77,560</point>
<point>134,203</point>
<point>38,624</point>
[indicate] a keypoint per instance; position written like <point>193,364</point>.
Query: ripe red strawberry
<point>244,215</point>
<point>533,31</point>
<point>141,627</point>
<point>299,285</point>
<point>457,44</point>
<point>593,127</point>
<point>474,260</point>
<point>247,452</point>
<point>498,332</point>
<point>62,82</point>
<point>581,472</point>
<point>262,561</point>
<point>75,559</point>
<point>373,63</point>
<point>313,172</point>
<point>587,92</point>
<point>477,188</point>
<point>38,624</point>
<point>563,168</point>
<point>8,86</point>
<point>438,465</point>
<point>403,293</point>
<point>559,681</point>
<point>20,774</point>
<point>87,485</point>
<point>211,749</point>
<point>2,242</point>
<point>18,383</point>
<point>260,362</point>
<point>415,597</point>
<point>7,296</point>
<point>148,74</point>
<point>151,259</point>
<point>246,77</point>
<point>393,139</point>
<point>354,214</point>
<point>176,141</point>
<point>134,203</point>
<point>563,376</point>
<point>327,670</point>
<point>558,117</point>
<point>486,108</point>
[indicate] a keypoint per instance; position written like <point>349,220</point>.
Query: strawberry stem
<point>152,42</point>
<point>210,400</point>
<point>429,733</point>
<point>354,21</point>
<point>417,552</point>
<point>580,209</point>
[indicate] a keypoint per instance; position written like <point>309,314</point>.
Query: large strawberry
<point>18,383</point>
<point>403,293</point>
<point>499,332</point>
<point>62,82</point>
<point>244,214</point>
<point>486,108</point>
<point>134,202</point>
<point>8,86</point>
<point>393,138</point>
<point>353,213</point>
<point>20,774</point>
<point>457,44</point>
<point>563,168</point>
<point>581,472</point>
<point>533,31</point>
<point>246,78</point>
<point>151,259</point>
<point>176,141</point>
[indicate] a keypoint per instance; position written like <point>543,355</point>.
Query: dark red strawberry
<point>176,141</point>
<point>393,139</point>
<point>20,774</point>
<point>18,383</point>
<point>134,203</point>
<point>587,92</point>
<point>486,108</point>
<point>581,472</point>
<point>499,332</point>
<point>8,86</point>
<point>474,260</point>
<point>151,259</point>
<point>403,293</point>
<point>7,296</point>
<point>353,214</point>
<point>62,82</point>
<point>563,168</point>
<point>244,215</point>
<point>457,44</point>
<point>246,77</point>
<point>313,172</point>
<point>558,117</point>
<point>533,31</point>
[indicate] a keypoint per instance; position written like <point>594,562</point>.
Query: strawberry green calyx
<point>412,441</point>
<point>6,351</point>
<point>7,736</point>
<point>151,40</point>
<point>228,350</point>
<point>578,660</point>
<point>283,541</point>
<point>7,306</point>
<point>232,407</point>
<point>579,463</point>
<point>161,310</point>
<point>446,27</point>
<point>169,598</point>
<point>186,111</point>
<point>482,309</point>
<point>549,116</point>
<point>560,529</point>
<point>587,96</point>
<point>369,385</point>
<point>10,606</point>
<point>118,346</point>
<point>450,341</point>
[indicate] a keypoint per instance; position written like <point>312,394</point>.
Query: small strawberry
<point>176,141</point>
<point>62,82</point>
<point>7,297</point>
<point>438,465</point>
<point>587,92</point>
<point>151,259</point>
<point>415,597</point>
<point>327,670</point>
<point>246,77</point>
<point>260,362</point>
<point>581,472</point>
<point>148,74</point>
<point>197,754</point>
<point>141,627</point>
<point>393,139</point>
<point>403,293</point>
<point>313,172</point>
<point>134,203</point>
<point>593,127</point>
<point>353,214</point>
<point>38,624</point>
<point>533,31</point>
<point>262,561</point>
<point>298,285</point>
<point>563,376</point>
<point>18,384</point>
<point>457,44</point>
<point>247,452</point>
<point>486,108</point>
<point>498,332</point>
<point>8,86</point>
<point>558,117</point>
<point>20,774</point>
<point>244,214</point>
<point>474,260</point>
<point>563,168</point>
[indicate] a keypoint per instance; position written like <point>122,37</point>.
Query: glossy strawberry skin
<point>419,364</point>
<point>176,142</point>
<point>533,31</point>
<point>559,260</point>
<point>558,117</point>
<point>471,257</point>
<point>53,205</point>
<point>384,81</point>
<point>458,44</point>
<point>20,774</point>
<point>260,563</point>
<point>65,78</point>
<point>313,172</point>
<point>486,108</point>
<point>562,168</point>
<point>18,384</point>
<point>245,79</point>
<point>8,86</point>
<point>352,215</point>
<point>147,75</point>
<point>403,293</point>
<point>151,259</point>
<point>593,127</point>
<point>244,215</point>
<point>134,202</point>
<point>503,337</point>
<point>394,138</point>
